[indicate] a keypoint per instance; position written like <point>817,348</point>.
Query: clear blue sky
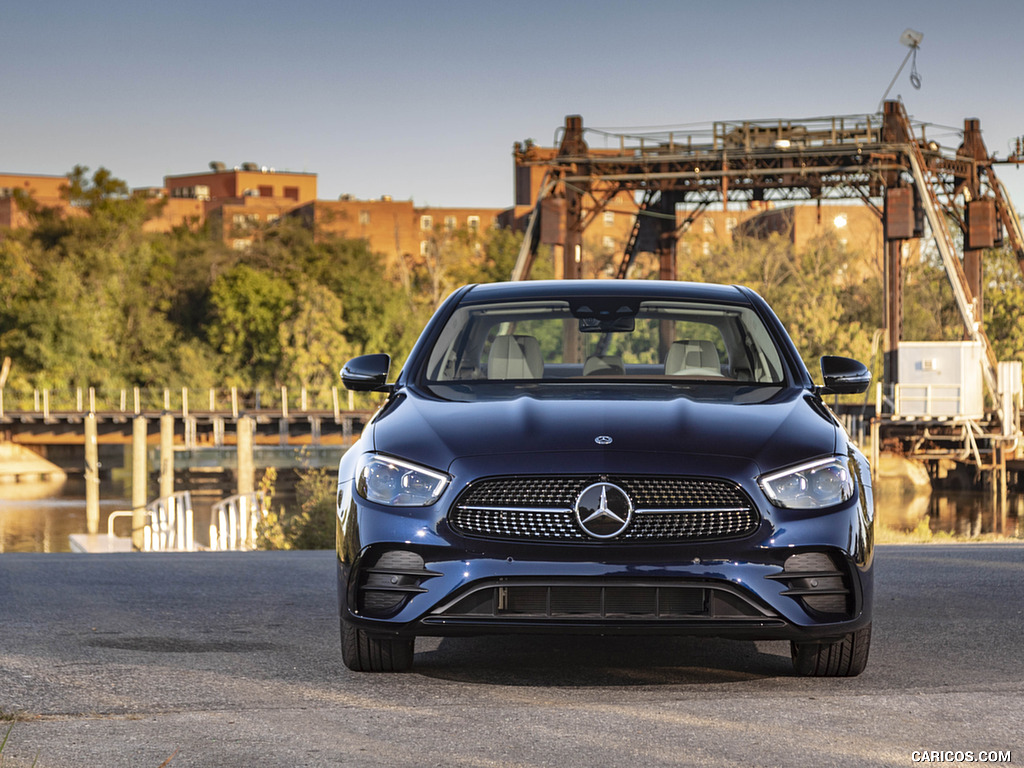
<point>424,100</point>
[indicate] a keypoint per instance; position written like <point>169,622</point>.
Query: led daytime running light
<point>815,485</point>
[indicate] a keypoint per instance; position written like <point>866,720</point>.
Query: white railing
<point>234,522</point>
<point>168,527</point>
<point>930,400</point>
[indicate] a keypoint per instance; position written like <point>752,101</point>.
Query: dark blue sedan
<point>609,457</point>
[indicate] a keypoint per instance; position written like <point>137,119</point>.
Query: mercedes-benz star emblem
<point>603,510</point>
<point>603,440</point>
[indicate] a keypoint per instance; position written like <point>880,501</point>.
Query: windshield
<point>622,340</point>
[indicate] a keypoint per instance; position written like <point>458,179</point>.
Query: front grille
<point>666,509</point>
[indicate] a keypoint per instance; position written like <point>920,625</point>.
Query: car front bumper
<point>771,584</point>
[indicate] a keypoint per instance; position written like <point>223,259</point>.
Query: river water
<point>41,517</point>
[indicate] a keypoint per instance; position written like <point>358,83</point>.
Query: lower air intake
<point>598,602</point>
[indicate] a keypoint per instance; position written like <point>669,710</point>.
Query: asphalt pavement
<point>233,660</point>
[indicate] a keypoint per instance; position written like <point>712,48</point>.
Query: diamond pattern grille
<point>540,508</point>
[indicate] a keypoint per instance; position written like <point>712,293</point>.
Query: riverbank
<point>19,465</point>
<point>909,511</point>
<point>923,534</point>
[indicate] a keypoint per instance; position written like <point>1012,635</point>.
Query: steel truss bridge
<point>917,186</point>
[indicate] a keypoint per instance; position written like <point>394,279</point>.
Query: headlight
<point>398,483</point>
<point>816,485</point>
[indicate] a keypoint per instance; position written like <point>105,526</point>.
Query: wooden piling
<point>166,455</point>
<point>139,479</point>
<point>246,476</point>
<point>92,476</point>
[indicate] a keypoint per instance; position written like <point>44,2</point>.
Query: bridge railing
<point>234,522</point>
<point>45,402</point>
<point>169,525</point>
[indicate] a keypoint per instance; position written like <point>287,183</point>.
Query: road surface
<point>233,660</point>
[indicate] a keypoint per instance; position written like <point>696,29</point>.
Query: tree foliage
<point>820,292</point>
<point>90,299</point>
<point>309,523</point>
<point>1004,305</point>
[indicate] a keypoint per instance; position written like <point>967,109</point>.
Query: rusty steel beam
<point>831,158</point>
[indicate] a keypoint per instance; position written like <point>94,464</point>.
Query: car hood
<point>789,427</point>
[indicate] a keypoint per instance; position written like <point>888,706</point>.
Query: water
<point>39,517</point>
<point>963,514</point>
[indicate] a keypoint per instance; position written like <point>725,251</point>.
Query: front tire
<point>362,652</point>
<point>846,657</point>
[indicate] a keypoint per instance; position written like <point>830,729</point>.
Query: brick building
<point>395,228</point>
<point>45,190</point>
<point>236,201</point>
<point>855,226</point>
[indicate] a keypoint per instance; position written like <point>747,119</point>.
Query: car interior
<point>551,344</point>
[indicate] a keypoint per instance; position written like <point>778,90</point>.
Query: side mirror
<point>367,373</point>
<point>843,376</point>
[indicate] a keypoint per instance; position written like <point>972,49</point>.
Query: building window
<point>709,225</point>
<point>364,218</point>
<point>426,223</point>
<point>291,193</point>
<point>706,248</point>
<point>730,224</point>
<point>473,222</point>
<point>608,242</point>
<point>241,245</point>
<point>266,190</point>
<point>243,222</point>
<point>449,223</point>
<point>424,247</point>
<point>609,218</point>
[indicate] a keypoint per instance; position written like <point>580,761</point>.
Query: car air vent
<point>588,600</point>
<point>814,579</point>
<point>391,581</point>
<point>665,509</point>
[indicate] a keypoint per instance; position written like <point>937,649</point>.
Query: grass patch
<point>923,534</point>
<point>3,744</point>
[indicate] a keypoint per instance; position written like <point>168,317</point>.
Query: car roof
<point>563,289</point>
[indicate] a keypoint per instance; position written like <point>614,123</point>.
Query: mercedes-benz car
<point>609,457</point>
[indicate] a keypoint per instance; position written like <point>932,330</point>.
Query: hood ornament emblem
<point>603,440</point>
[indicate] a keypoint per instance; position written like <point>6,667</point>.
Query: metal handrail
<point>237,520</point>
<point>169,525</point>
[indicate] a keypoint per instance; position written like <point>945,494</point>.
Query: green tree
<point>65,348</point>
<point>1004,305</point>
<point>929,309</point>
<point>310,525</point>
<point>813,290</point>
<point>246,307</point>
<point>312,338</point>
